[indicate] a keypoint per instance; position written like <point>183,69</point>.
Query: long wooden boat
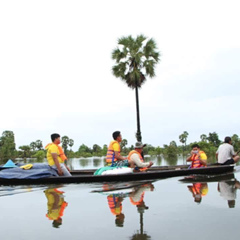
<point>86,176</point>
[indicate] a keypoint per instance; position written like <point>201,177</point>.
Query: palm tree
<point>135,60</point>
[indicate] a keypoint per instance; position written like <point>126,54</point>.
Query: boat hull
<point>86,176</point>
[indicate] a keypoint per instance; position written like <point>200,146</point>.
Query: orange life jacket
<point>196,161</point>
<point>112,203</point>
<point>110,158</point>
<point>196,188</point>
<point>140,156</point>
<point>61,153</point>
<point>138,202</point>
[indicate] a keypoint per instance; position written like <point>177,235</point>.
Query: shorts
<point>122,163</point>
<point>229,161</point>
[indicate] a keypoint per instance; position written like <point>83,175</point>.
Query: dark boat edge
<point>153,174</point>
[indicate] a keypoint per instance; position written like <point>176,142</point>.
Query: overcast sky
<point>55,70</point>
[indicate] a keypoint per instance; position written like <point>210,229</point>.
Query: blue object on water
<point>9,164</point>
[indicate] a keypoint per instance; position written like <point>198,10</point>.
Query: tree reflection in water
<point>172,161</point>
<point>97,162</point>
<point>84,162</point>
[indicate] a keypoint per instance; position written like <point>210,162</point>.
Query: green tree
<point>104,150</point>
<point>97,150</point>
<point>33,146</point>
<point>71,143</point>
<point>203,137</point>
<point>65,143</point>
<point>7,146</point>
<point>25,151</point>
<point>40,155</point>
<point>183,139</point>
<point>236,142</point>
<point>135,61</point>
<point>39,145</point>
<point>213,138</point>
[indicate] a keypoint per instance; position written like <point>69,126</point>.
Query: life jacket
<point>137,202</point>
<point>112,203</point>
<point>61,152</point>
<point>110,158</point>
<point>140,156</point>
<point>200,188</point>
<point>196,188</point>
<point>196,161</point>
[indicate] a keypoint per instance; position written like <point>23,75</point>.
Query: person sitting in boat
<point>135,159</point>
<point>197,157</point>
<point>56,156</point>
<point>225,154</point>
<point>114,149</point>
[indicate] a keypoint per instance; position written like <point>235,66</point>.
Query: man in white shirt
<point>135,158</point>
<point>225,154</point>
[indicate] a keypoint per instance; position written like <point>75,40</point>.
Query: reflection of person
<point>56,156</point>
<point>137,196</point>
<point>197,157</point>
<point>56,206</point>
<point>114,149</point>
<point>228,190</point>
<point>135,157</point>
<point>115,205</point>
<point>198,190</point>
<point>225,154</point>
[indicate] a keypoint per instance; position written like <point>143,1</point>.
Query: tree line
<point>208,143</point>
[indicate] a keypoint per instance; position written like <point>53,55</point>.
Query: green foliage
<point>236,142</point>
<point>135,60</point>
<point>39,144</point>
<point>183,137</point>
<point>213,138</point>
<point>40,155</point>
<point>7,146</point>
<point>25,151</point>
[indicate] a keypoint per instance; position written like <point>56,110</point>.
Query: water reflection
<point>136,197</point>
<point>228,191</point>
<point>55,206</point>
<point>198,190</point>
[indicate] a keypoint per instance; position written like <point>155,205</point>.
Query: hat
<point>139,145</point>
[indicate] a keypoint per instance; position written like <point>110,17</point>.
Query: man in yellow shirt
<point>55,156</point>
<point>114,149</point>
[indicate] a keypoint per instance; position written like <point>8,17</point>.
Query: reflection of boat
<point>84,176</point>
<point>207,178</point>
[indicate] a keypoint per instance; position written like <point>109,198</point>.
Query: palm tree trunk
<point>138,135</point>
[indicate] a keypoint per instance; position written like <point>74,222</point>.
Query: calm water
<point>164,209</point>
